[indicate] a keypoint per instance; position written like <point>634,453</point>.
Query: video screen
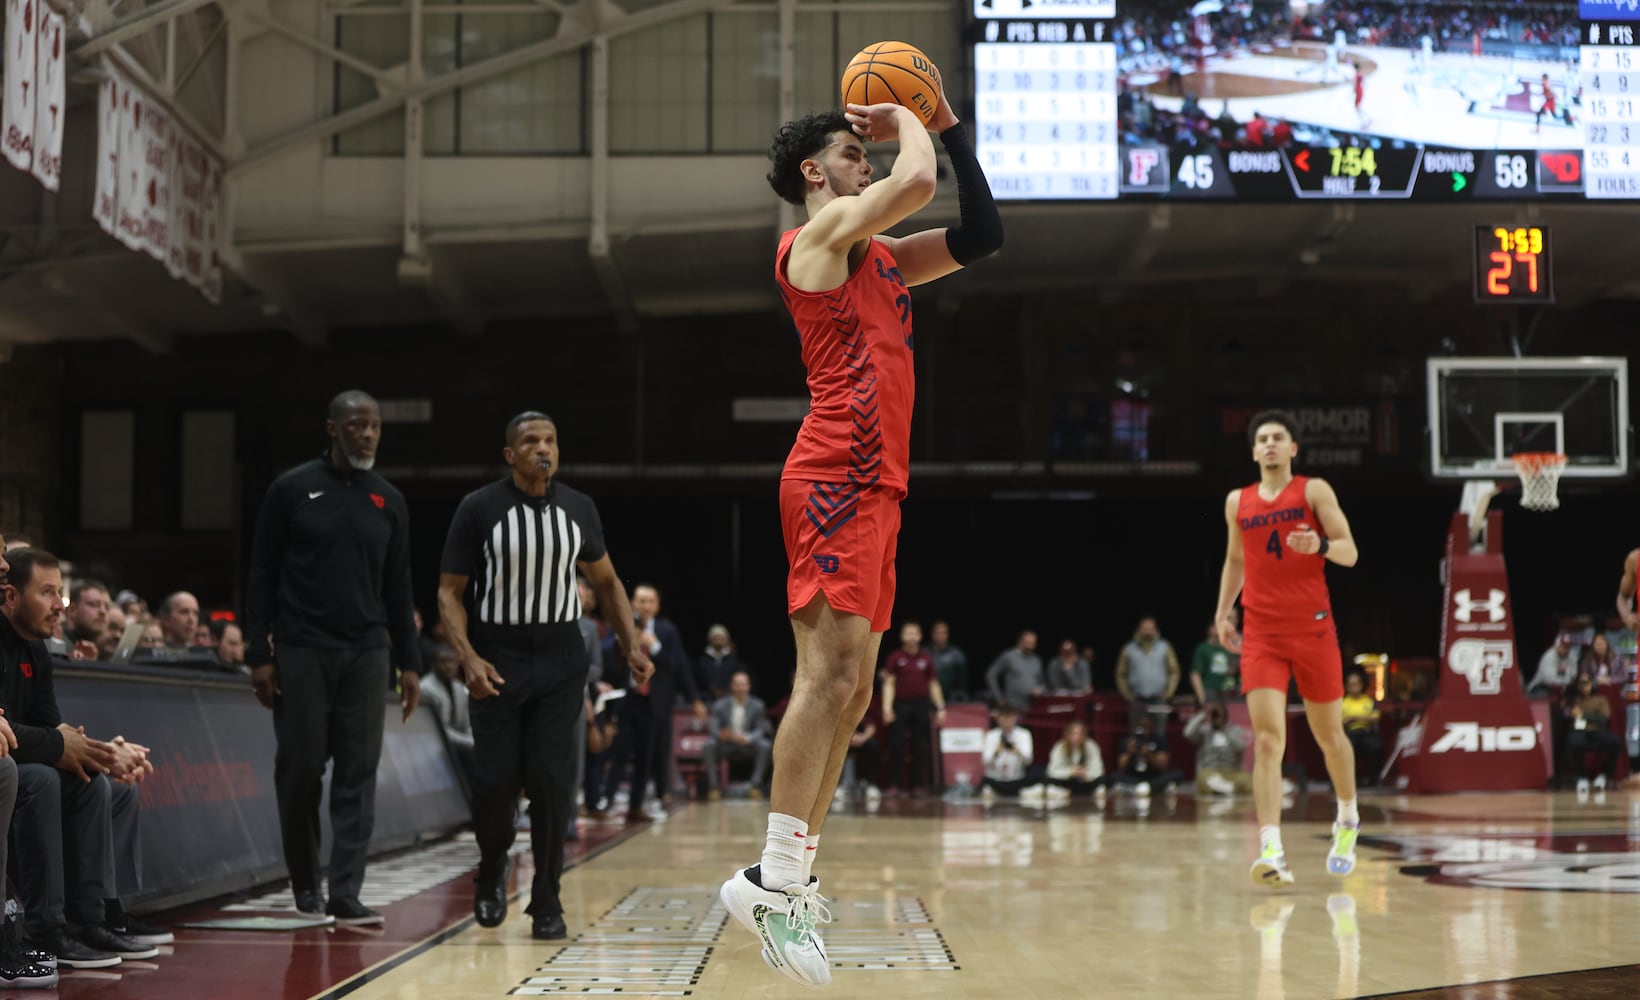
<point>1263,100</point>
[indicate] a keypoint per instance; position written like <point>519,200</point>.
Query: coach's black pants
<point>524,737</point>
<point>646,728</point>
<point>332,706</point>
<point>63,829</point>
<point>913,722</point>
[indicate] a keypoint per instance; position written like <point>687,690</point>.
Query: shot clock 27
<point>1512,265</point>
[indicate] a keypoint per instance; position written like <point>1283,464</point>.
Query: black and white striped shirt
<point>520,552</point>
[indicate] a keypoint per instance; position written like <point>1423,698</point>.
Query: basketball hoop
<point>1539,478</point>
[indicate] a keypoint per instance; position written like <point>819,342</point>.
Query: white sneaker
<point>1287,787</point>
<point>1058,793</point>
<point>1600,783</point>
<point>1142,789</point>
<point>987,795</point>
<point>1034,794</point>
<point>785,923</point>
<point>1270,870</point>
<point>1220,784</point>
<point>873,793</point>
<point>1583,786</point>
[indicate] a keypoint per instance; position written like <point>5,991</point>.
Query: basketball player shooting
<point>846,289</point>
<point>1274,561</point>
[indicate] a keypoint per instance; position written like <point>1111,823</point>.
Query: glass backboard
<point>1484,410</point>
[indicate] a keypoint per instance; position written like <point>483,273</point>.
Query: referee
<point>330,583</point>
<point>510,607</point>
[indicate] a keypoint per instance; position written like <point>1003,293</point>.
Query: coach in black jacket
<point>646,712</point>
<point>330,584</point>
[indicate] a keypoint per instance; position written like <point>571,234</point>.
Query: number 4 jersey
<point>856,346</point>
<point>1282,591</point>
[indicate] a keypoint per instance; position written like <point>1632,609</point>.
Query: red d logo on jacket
<point>27,668</point>
<point>379,500</point>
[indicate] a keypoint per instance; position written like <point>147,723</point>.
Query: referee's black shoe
<point>549,927</point>
<point>490,896</point>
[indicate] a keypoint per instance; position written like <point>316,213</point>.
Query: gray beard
<point>359,464</point>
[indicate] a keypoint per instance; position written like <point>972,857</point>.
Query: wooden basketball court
<point>1472,896</point>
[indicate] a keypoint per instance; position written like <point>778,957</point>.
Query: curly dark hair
<point>798,141</point>
<point>1282,417</point>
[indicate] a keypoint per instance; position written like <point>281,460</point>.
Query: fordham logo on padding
<point>1482,662</point>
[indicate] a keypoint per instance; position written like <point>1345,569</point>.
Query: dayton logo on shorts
<point>828,564</point>
<point>379,500</point>
<point>1481,662</point>
<point>1467,608</point>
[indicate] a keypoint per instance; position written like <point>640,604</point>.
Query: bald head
<point>344,403</point>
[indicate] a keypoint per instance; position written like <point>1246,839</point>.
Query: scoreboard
<point>1217,99</point>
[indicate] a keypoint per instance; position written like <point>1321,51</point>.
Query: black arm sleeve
<point>978,233</point>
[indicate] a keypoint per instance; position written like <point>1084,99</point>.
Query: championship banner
<point>158,190</point>
<point>105,199</point>
<point>50,101</point>
<point>22,30</point>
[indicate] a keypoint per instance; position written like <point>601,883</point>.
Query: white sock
<point>783,852</point>
<point>808,856</point>
<point>1347,812</point>
<point>1269,836</point>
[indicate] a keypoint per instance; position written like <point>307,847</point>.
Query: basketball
<point>893,72</point>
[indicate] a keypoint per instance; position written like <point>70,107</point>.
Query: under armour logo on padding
<point>1466,608</point>
<point>828,564</point>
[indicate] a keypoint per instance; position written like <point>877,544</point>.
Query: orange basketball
<point>893,72</point>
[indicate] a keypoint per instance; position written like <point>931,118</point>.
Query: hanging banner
<point>105,200</point>
<point>50,101</point>
<point>22,31</point>
<point>158,190</point>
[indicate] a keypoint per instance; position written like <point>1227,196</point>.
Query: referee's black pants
<point>524,737</point>
<point>332,706</point>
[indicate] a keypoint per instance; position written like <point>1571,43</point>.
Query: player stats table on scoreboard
<point>1046,105</point>
<point>1609,74</point>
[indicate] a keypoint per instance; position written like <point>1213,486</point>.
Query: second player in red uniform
<point>1282,529</point>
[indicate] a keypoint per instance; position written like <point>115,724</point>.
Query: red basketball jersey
<point>856,344</point>
<point>1283,590</point>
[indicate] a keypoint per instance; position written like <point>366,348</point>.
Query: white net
<point>1539,479</point>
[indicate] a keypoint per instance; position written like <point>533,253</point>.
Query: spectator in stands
<point>1557,668</point>
<point>1143,763</point>
<point>860,767</point>
<point>740,732</point>
<point>153,637</point>
<point>1069,673</point>
<point>1016,675</point>
<point>1213,668</point>
<point>717,665</point>
<point>202,637</point>
<point>1590,713</point>
<point>1598,662</point>
<point>66,779</point>
<point>135,607</point>
<point>1075,763</point>
<point>1007,754</point>
<point>1147,672</point>
<point>446,694</point>
<point>950,664</point>
<point>113,631</point>
<point>179,619</point>
<point>913,704</point>
<point>1361,726</point>
<point>87,616</point>
<point>229,642</point>
<point>1220,749</point>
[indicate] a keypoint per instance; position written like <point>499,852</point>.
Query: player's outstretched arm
<point>1340,543</point>
<point>1625,591</point>
<point>1230,579</point>
<point>885,203</point>
<point>935,253</point>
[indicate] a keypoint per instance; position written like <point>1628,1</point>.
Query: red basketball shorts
<point>1311,658</point>
<point>840,541</point>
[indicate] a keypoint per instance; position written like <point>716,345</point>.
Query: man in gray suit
<point>740,731</point>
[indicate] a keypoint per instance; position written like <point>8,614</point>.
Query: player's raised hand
<point>945,116</point>
<point>879,122</point>
<point>1304,540</point>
